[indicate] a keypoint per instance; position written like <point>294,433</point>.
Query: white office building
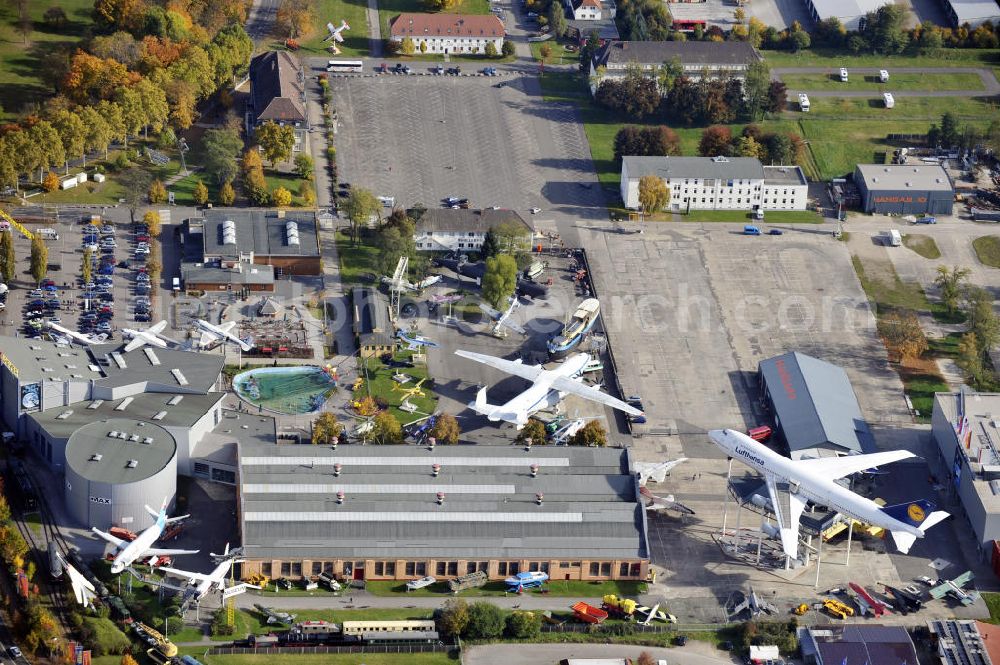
<point>717,183</point>
<point>448,33</point>
<point>459,230</point>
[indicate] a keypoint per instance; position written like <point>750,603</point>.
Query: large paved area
<point>424,138</point>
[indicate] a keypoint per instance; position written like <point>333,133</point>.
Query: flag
<point>70,650</point>
<point>86,657</point>
<point>78,655</point>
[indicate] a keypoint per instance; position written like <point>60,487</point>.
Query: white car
<point>535,211</point>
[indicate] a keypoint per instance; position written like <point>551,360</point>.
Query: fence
<point>294,649</point>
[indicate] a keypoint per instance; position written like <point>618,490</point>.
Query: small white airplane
<point>655,471</point>
<point>77,337</point>
<point>150,336</point>
<point>502,320</point>
<point>129,552</point>
<point>335,35</point>
<point>82,588</point>
<point>548,388</point>
<point>211,333</point>
<point>566,432</point>
<point>414,341</point>
<point>792,483</point>
<point>216,578</point>
<point>654,502</point>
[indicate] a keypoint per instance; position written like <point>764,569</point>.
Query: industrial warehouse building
<point>851,13</point>
<point>399,512</point>
<point>964,427</point>
<point>815,410</point>
<point>904,189</point>
<point>973,12</point>
<point>836,645</point>
<point>116,466</point>
<point>717,183</point>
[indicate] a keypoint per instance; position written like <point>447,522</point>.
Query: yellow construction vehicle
<point>13,222</point>
<point>801,609</point>
<point>165,646</point>
<point>258,579</point>
<point>837,608</point>
<point>358,382</point>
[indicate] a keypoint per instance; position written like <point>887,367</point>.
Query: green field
<point>943,57</point>
<point>926,81</point>
<point>334,11</point>
<point>387,9</point>
<point>380,384</point>
<point>289,181</point>
<point>558,56</point>
<point>21,64</point>
<point>922,245</point>
<point>357,262</point>
<point>976,110</point>
<point>770,217</point>
<point>988,250</point>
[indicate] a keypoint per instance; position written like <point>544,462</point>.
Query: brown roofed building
<point>449,33</point>
<point>277,92</point>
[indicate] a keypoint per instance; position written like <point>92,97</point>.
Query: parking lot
<point>118,295</point>
<point>777,13</point>
<point>420,139</point>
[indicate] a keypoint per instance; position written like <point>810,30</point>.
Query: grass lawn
<point>289,181</point>
<point>21,64</point>
<point>926,81</point>
<point>895,295</point>
<point>334,659</point>
<point>563,87</point>
<point>945,347</point>
<point>992,600</point>
<point>387,9</point>
<point>988,250</point>
<point>920,382</point>
<point>558,54</point>
<point>183,189</point>
<point>922,245</point>
<point>943,57</point>
<point>334,11</point>
<point>770,217</point>
<point>913,108</point>
<point>568,588</point>
<point>357,262</point>
<point>381,385</point>
<point>34,522</point>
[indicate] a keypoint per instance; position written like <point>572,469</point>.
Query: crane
<point>17,225</point>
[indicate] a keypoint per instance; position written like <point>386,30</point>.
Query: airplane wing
<point>489,311</point>
<point>838,467</point>
<point>82,589</point>
<point>155,551</point>
<point>207,338</point>
<point>194,577</point>
<point>117,542</point>
<point>567,385</point>
<point>528,372</point>
<point>135,343</point>
<point>656,471</point>
<point>227,326</point>
<point>788,509</point>
<point>157,328</point>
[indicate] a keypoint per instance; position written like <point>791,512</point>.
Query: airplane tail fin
<point>481,405</point>
<point>919,514</point>
<point>174,520</point>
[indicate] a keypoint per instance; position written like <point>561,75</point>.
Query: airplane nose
<point>717,435</point>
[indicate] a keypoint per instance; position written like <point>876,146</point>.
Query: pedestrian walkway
<point>375,30</point>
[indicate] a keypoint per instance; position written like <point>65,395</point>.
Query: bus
<point>688,25</point>
<point>350,66</point>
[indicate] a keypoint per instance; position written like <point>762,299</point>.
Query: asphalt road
<point>990,83</point>
<point>260,21</point>
<point>693,653</point>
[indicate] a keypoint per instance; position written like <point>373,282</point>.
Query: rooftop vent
<point>117,357</point>
<point>179,377</point>
<point>131,464</point>
<point>70,366</point>
<point>96,457</point>
<point>176,399</point>
<point>292,233</point>
<point>122,435</point>
<point>153,360</point>
<point>65,414</point>
<point>159,415</point>
<point>124,404</point>
<point>720,159</point>
<point>93,368</point>
<point>148,440</point>
<point>134,438</point>
<point>113,434</point>
<point>229,232</point>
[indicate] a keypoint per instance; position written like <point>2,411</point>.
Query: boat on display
<point>527,580</point>
<point>576,329</point>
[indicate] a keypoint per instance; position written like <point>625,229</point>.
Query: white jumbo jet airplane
<point>216,578</point>
<point>142,546</point>
<point>216,333</point>
<point>77,337</point>
<point>792,483</point>
<point>548,388</point>
<point>150,336</point>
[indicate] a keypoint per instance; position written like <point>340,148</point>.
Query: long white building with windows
<point>717,183</point>
<point>448,33</point>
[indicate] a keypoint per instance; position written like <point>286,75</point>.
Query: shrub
<point>281,197</point>
<point>227,195</point>
<point>486,621</point>
<point>157,192</point>
<point>51,182</point>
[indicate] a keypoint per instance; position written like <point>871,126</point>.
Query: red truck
<point>120,532</point>
<point>588,613</point>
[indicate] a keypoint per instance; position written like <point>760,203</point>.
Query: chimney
<point>430,442</point>
<point>440,498</point>
<point>538,498</point>
<point>435,470</point>
<point>340,496</point>
<point>534,470</point>
<point>336,469</point>
<point>527,445</point>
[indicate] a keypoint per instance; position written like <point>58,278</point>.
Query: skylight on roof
<point>176,399</point>
<point>153,360</point>
<point>124,404</point>
<point>179,376</point>
<point>96,403</point>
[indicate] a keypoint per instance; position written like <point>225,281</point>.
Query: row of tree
<point>672,96</point>
<point>752,141</point>
<point>483,620</point>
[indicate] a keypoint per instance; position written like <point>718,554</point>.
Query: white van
<point>48,234</point>
<point>804,102</point>
<point>843,74</point>
<point>892,238</point>
<point>387,201</point>
<point>176,283</point>
<point>883,75</point>
<point>889,101</point>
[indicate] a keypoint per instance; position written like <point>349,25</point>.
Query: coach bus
<point>350,66</point>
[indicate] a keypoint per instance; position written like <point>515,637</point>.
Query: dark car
<point>36,303</point>
<point>142,316</point>
<point>681,640</point>
<point>107,269</point>
<point>48,282</point>
<point>775,232</point>
<point>142,237</point>
<point>53,304</point>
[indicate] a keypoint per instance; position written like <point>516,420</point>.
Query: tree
<point>48,146</point>
<point>71,132</point>
<point>157,192</point>
<point>39,259</point>
<point>507,49</point>
<point>884,29</point>
<point>715,140</point>
<point>950,283</point>
<point>557,20</point>
<point>777,97</point>
<point>200,193</point>
<point>227,195</point>
<point>112,114</point>
<point>276,141</point>
<point>54,17</point>
<point>295,17</point>
<point>982,320</point>
<point>591,434</point>
<point>304,166</point>
<point>500,279</point>
<point>326,429</point>
<point>281,197</point>
<point>152,220</point>
<point>446,429</point>
<point>646,141</point>
<point>533,431</point>
<point>8,263</point>
<point>747,146</point>
<point>454,617</point>
<point>307,193</point>
<point>86,268</point>
<point>96,130</point>
<point>220,148</point>
<point>902,334</point>
<point>486,621</point>
<point>254,185</point>
<point>386,429</point>
<point>50,182</point>
<point>970,359</point>
<point>646,658</point>
<point>407,47</point>
<point>545,50</point>
<point>135,188</point>
<point>799,40</point>
<point>360,206</point>
<point>524,625</point>
<point>490,246</point>
<point>491,50</point>
<point>654,195</point>
<point>779,149</point>
<point>684,101</point>
<point>949,130</point>
<point>756,89</point>
<point>367,407</point>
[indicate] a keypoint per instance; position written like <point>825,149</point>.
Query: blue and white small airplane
<point>414,341</point>
<point>129,552</point>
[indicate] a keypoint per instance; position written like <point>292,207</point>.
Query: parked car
<point>775,232</point>
<point>437,70</point>
<point>48,282</point>
<point>53,304</point>
<point>107,270</point>
<point>103,326</point>
<point>142,316</point>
